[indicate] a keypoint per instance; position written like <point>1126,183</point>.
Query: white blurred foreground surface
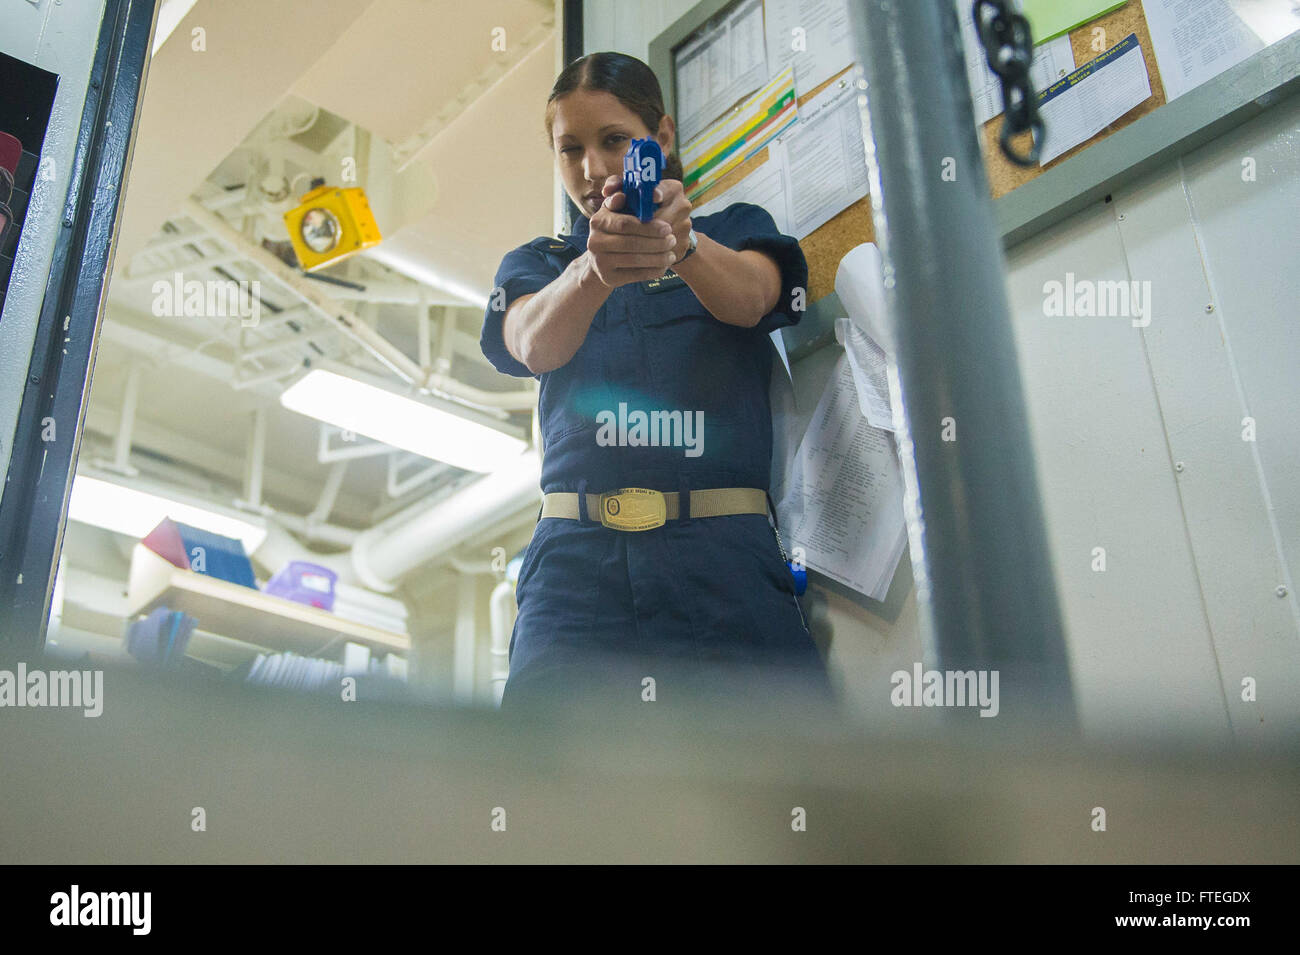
<point>286,778</point>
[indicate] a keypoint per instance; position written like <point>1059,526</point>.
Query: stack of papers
<point>365,606</point>
<point>870,367</point>
<point>840,494</point>
<point>843,506</point>
<point>293,672</point>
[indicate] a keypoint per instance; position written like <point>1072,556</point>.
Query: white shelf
<point>241,613</point>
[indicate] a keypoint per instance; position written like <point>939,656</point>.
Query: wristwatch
<point>691,244</point>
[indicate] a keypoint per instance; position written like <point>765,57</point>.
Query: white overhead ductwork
<point>345,321</point>
<point>421,534</point>
<point>383,554</point>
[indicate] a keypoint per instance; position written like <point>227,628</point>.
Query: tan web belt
<point>641,509</point>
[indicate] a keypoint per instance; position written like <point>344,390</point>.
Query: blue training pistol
<point>643,167</point>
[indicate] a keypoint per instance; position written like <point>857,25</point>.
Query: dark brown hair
<point>625,77</point>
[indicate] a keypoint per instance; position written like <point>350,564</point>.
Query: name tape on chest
<point>665,283</point>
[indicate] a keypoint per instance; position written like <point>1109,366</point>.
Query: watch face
<point>320,230</point>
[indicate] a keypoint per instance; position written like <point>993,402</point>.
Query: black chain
<point>1009,50</point>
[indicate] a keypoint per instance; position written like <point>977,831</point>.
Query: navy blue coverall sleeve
<point>523,271</point>
<point>752,227</point>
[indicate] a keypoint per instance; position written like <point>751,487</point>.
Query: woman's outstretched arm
<point>545,329</point>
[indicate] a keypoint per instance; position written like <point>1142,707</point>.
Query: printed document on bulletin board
<point>716,67</point>
<point>812,36</point>
<point>1051,61</point>
<point>1196,40</point>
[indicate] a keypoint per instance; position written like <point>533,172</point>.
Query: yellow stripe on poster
<point>739,135</point>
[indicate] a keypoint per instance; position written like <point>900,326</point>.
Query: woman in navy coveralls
<point>618,312</point>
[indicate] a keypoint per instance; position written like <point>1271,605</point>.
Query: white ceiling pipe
<point>339,318</point>
<point>446,343</point>
<point>171,241</point>
<point>167,476</point>
<point>122,442</point>
<point>351,325</point>
<point>465,642</point>
<point>471,566</point>
<point>167,273</point>
<point>274,375</point>
<point>101,422</point>
<point>522,521</point>
<point>252,354</point>
<point>392,293</point>
<point>319,531</point>
<point>329,494</point>
<point>523,400</point>
<point>165,351</point>
<point>225,199</point>
<point>280,547</point>
<point>296,313</point>
<point>421,533</point>
<point>255,459</point>
<point>501,614</point>
<point>423,319</point>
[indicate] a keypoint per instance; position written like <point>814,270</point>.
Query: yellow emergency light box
<point>330,224</point>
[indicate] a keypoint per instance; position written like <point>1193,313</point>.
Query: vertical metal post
<point>979,551</point>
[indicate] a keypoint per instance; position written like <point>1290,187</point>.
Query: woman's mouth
<point>595,198</point>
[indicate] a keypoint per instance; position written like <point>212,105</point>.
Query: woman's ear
<point>666,135</point>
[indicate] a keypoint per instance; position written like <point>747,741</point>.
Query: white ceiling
<point>447,133</point>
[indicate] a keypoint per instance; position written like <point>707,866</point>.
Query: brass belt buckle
<point>633,509</point>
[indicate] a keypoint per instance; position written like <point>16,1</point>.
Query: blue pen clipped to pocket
<point>800,575</point>
<point>643,167</point>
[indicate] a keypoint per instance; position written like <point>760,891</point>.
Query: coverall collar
<point>577,237</point>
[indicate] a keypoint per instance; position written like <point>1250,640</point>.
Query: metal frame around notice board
<point>1233,97</point>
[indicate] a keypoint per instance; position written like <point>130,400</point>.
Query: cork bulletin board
<point>1025,200</point>
<point>825,247</point>
<point>852,226</point>
<point>1003,174</point>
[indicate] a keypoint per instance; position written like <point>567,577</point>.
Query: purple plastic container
<point>304,583</point>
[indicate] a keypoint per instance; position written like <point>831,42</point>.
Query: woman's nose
<point>596,170</point>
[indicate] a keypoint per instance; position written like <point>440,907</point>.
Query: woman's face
<point>590,134</point>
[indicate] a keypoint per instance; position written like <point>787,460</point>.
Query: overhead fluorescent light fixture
<point>135,513</point>
<point>401,422</point>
